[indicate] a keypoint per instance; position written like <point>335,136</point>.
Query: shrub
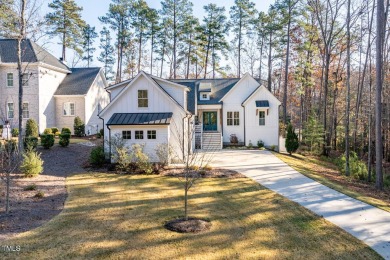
<point>272,147</point>
<point>30,142</point>
<point>78,127</point>
<point>141,159</point>
<point>11,145</point>
<point>97,156</point>
<point>32,164</point>
<point>123,159</point>
<point>64,139</point>
<point>66,130</point>
<point>207,167</point>
<point>358,169</point>
<point>260,144</point>
<point>250,145</point>
<point>55,130</point>
<point>30,187</point>
<point>39,194</point>
<point>47,141</point>
<point>47,131</point>
<point>101,131</point>
<point>292,142</point>
<point>163,152</point>
<point>15,132</point>
<point>31,128</point>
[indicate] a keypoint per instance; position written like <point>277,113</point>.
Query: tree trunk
<point>270,61</point>
<point>348,88</point>
<point>286,67</point>
<point>174,39</point>
<point>380,21</point>
<point>239,49</point>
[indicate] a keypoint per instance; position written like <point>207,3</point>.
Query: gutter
<point>244,126</point>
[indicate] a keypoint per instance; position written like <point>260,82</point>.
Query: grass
<point>110,216</point>
<point>317,169</point>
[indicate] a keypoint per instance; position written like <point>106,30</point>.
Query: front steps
<point>211,141</point>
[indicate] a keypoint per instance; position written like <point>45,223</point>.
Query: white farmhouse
<point>150,110</point>
<point>54,94</point>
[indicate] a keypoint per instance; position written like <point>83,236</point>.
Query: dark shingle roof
<point>78,82</point>
<point>262,103</point>
<point>31,52</point>
<point>140,119</point>
<point>219,88</point>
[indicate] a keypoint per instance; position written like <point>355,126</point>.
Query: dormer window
<point>204,96</point>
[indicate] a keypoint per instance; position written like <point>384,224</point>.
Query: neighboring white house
<point>151,111</point>
<point>53,93</point>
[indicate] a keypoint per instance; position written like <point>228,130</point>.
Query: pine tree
<point>292,142</point>
<point>174,14</point>
<point>241,15</point>
<point>141,15</point>
<point>65,21</point>
<point>8,19</point>
<point>214,30</point>
<point>89,36</point>
<point>154,28</point>
<point>118,20</point>
<point>107,52</point>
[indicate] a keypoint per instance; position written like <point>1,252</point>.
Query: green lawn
<point>110,216</point>
<point>317,169</point>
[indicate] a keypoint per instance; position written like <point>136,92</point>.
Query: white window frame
<point>233,118</point>
<point>143,98</point>
<point>24,111</point>
<point>10,80</point>
<point>65,109</point>
<point>8,110</point>
<point>261,119</point>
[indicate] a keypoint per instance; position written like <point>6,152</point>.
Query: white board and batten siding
<point>158,102</point>
<point>268,133</point>
<point>150,145</point>
<point>232,103</point>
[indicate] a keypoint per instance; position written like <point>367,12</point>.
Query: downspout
<point>244,125</point>
<point>222,122</point>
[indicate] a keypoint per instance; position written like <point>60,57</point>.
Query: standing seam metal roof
<point>140,119</point>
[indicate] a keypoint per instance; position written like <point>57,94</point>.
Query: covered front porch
<point>208,127</point>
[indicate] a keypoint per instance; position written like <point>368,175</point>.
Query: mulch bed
<point>211,173</point>
<point>192,225</point>
<point>28,211</point>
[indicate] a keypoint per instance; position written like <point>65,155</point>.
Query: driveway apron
<point>365,222</point>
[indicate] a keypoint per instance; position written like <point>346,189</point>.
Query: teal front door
<point>209,121</point>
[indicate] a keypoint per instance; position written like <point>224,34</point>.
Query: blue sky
<point>95,8</point>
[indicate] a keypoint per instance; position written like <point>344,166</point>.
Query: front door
<point>209,121</point>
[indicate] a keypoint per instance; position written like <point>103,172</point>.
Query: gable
<point>241,90</point>
<point>127,100</point>
<point>262,97</point>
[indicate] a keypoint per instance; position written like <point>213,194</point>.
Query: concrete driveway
<point>365,222</point>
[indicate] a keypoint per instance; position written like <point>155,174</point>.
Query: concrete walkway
<point>365,222</point>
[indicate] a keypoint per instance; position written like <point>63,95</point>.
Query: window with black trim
<point>261,117</point>
<point>151,134</point>
<point>233,118</point>
<point>126,134</point>
<point>143,98</point>
<point>139,134</point>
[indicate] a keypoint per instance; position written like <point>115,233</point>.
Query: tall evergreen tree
<point>8,19</point>
<point>107,52</point>
<point>214,30</point>
<point>89,36</point>
<point>241,15</point>
<point>118,20</point>
<point>174,14</point>
<point>141,15</point>
<point>154,28</point>
<point>65,21</point>
<point>188,39</point>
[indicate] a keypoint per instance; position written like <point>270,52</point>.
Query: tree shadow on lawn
<point>117,216</point>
